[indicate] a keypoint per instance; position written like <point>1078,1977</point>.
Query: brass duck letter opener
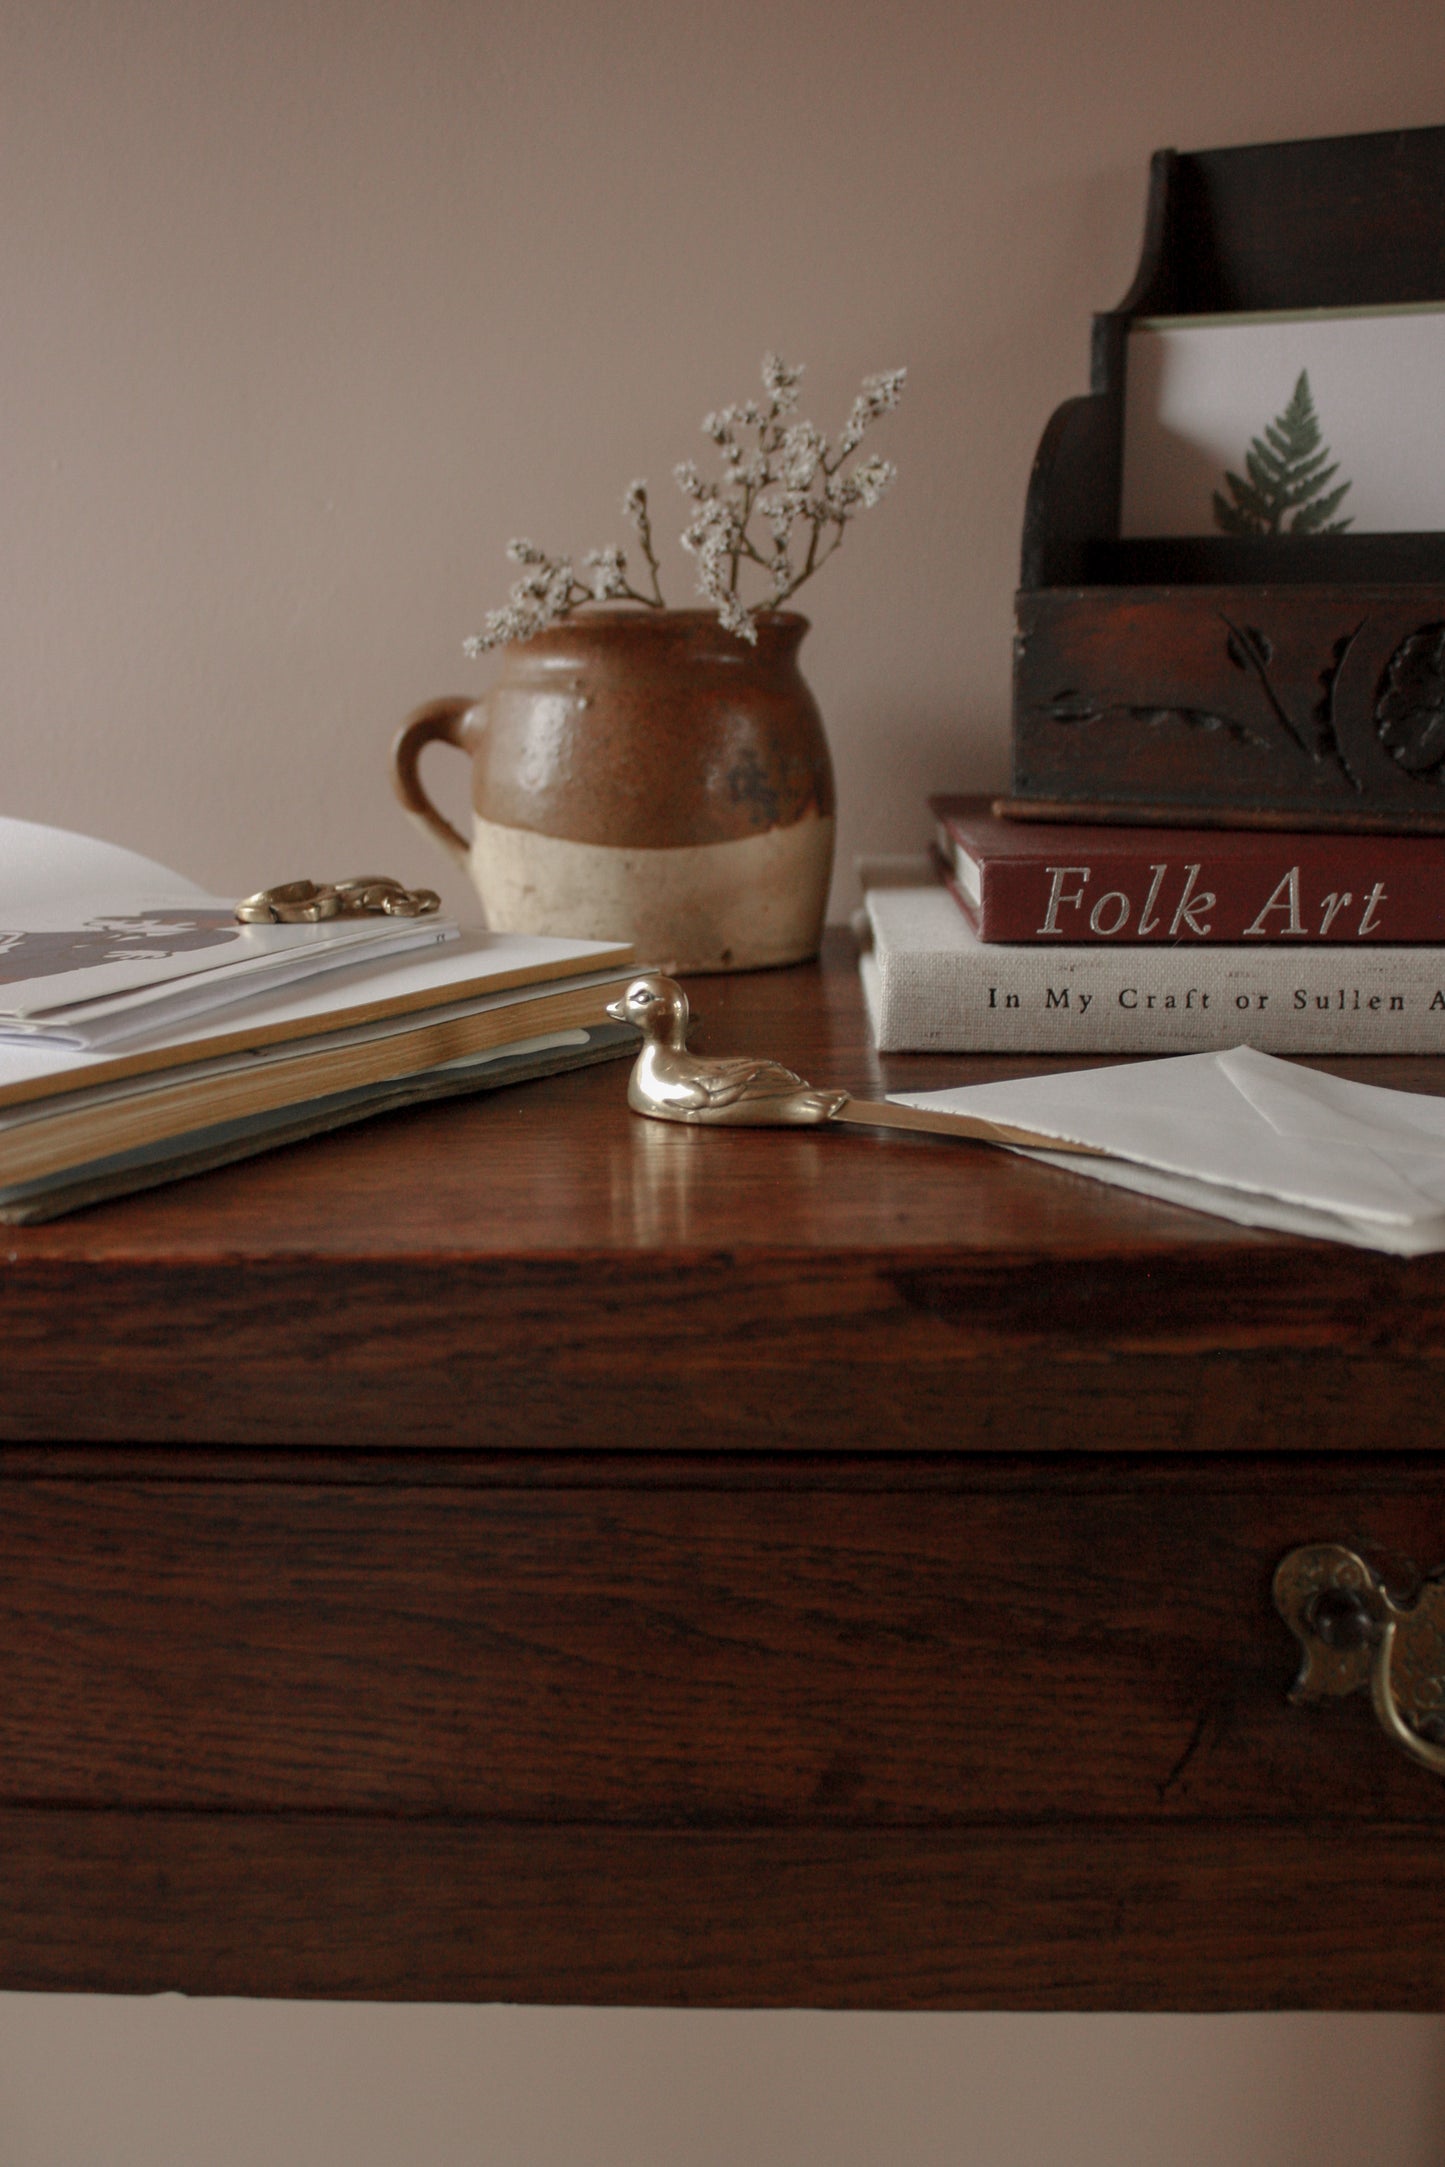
<point>668,1083</point>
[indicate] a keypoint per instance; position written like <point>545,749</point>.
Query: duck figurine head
<point>733,1091</point>
<point>658,1007</point>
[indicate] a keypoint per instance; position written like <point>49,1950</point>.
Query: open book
<point>267,1063</point>
<point>97,943</point>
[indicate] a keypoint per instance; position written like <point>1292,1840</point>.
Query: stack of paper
<point>97,944</point>
<point>179,1061</point>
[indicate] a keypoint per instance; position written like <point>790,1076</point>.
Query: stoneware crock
<point>646,777</point>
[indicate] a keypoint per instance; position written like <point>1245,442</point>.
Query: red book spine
<point>1056,884</point>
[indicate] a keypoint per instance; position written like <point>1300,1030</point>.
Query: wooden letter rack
<point>1296,681</point>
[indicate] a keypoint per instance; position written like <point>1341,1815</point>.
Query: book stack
<point>1022,936</point>
<point>146,1033</point>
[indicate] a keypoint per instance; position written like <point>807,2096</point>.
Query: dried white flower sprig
<point>778,513</point>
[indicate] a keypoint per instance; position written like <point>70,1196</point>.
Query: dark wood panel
<point>1191,1349</point>
<point>846,1472</point>
<point>693,1655</point>
<point>1324,222</point>
<point>1285,698</point>
<point>1009,1918</point>
<point>1259,562</point>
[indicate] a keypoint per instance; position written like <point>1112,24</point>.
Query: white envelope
<point>1243,1135</point>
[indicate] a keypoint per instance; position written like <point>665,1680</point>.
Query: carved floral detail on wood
<point>1408,715</point>
<point>1410,710</point>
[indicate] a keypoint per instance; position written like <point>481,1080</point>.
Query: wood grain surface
<point>1141,695</point>
<point>542,1268</point>
<point>677,1644</point>
<point>520,1551</point>
<point>1053,1917</point>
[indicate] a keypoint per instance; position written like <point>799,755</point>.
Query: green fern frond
<point>1288,470</point>
<point>1251,501</point>
<point>1315,518</point>
<point>1230,520</point>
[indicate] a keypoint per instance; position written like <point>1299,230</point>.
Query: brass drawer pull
<point>1355,1637</point>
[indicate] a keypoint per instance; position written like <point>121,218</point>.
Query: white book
<point>98,943</point>
<point>932,986</point>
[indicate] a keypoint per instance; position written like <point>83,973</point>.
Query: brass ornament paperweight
<point>311,902</point>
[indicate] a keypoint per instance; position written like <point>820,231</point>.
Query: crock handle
<point>454,721</point>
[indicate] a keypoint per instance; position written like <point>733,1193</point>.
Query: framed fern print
<point>1294,423</point>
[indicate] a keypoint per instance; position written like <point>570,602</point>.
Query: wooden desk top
<point>518,1551</point>
<point>538,1265</point>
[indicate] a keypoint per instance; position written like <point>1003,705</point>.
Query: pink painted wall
<point>173,2083</point>
<point>309,305</point>
<point>312,303</point>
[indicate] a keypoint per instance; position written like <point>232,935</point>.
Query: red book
<point>1038,880</point>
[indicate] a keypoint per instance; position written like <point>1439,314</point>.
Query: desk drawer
<point>685,1644</point>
